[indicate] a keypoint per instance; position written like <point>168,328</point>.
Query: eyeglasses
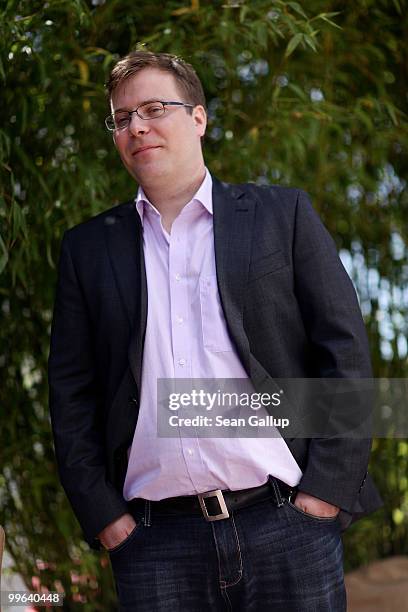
<point>148,110</point>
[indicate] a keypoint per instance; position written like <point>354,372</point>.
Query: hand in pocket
<point>116,532</point>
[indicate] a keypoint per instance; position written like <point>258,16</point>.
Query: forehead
<point>149,83</point>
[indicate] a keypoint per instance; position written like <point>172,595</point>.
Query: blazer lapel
<point>125,247</point>
<point>233,212</point>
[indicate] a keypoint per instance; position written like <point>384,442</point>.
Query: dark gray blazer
<point>291,311</point>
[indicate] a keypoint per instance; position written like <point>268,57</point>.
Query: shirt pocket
<point>213,323</point>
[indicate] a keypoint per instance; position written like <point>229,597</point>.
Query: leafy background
<point>311,97</point>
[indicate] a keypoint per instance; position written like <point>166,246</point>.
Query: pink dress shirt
<point>187,337</point>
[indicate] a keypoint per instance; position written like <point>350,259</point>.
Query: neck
<point>171,198</point>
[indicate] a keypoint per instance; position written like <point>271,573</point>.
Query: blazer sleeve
<point>336,465</point>
<point>76,408</point>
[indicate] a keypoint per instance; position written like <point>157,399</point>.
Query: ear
<point>200,119</point>
<point>113,133</point>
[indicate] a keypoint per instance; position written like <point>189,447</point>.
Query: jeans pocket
<point>312,517</point>
<point>126,541</point>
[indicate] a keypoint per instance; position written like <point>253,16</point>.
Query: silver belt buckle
<point>224,510</point>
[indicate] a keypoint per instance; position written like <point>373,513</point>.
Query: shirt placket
<point>182,332</point>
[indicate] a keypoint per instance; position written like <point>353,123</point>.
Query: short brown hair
<point>184,74</point>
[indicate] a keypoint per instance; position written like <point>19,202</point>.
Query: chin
<point>148,174</point>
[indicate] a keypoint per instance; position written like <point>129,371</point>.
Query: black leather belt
<point>216,505</point>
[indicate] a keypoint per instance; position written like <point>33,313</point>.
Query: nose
<point>137,125</point>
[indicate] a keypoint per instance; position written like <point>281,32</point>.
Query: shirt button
<point>180,319</point>
<point>178,276</point>
<point>190,451</point>
<point>182,362</point>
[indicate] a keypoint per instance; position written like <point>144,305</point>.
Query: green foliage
<point>312,97</point>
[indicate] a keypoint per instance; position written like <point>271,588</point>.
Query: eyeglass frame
<point>130,113</point>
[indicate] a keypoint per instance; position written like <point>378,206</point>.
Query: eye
<point>122,120</point>
<point>152,109</point>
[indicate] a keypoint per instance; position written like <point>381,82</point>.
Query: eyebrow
<point>126,110</point>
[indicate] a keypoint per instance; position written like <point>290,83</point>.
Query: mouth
<point>144,149</point>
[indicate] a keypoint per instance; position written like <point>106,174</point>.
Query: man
<point>201,279</point>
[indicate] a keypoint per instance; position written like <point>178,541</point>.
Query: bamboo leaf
<point>298,91</point>
<point>18,220</point>
<point>297,8</point>
<point>311,42</point>
<point>83,70</point>
<point>243,13</point>
<point>195,6</point>
<point>3,255</point>
<point>326,17</point>
<point>391,111</point>
<point>293,43</point>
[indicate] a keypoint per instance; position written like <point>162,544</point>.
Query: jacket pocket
<point>267,264</point>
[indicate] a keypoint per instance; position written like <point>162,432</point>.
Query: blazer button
<point>133,399</point>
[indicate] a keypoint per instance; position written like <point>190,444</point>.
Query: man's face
<point>166,148</point>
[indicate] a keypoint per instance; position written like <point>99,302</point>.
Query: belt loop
<point>147,514</point>
<point>276,490</point>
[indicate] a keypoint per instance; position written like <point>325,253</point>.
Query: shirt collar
<point>202,195</point>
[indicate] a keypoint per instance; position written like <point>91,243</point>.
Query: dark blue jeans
<point>263,557</point>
